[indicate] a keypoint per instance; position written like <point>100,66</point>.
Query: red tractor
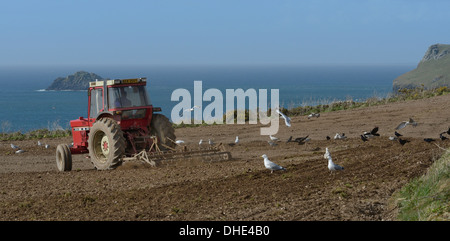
<point>121,123</point>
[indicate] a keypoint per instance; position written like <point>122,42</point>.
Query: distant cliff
<point>432,71</point>
<point>78,81</point>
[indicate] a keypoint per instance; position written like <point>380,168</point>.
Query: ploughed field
<point>31,188</point>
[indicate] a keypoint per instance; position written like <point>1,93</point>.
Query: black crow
<point>428,140</point>
<point>374,131</point>
<point>403,142</point>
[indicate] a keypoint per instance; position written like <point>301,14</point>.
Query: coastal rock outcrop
<point>77,81</point>
<point>433,70</point>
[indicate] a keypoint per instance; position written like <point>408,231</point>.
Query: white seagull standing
<point>237,140</point>
<point>405,123</point>
<point>200,142</point>
<point>327,153</point>
<point>287,120</point>
<point>270,165</point>
<point>332,166</point>
<point>273,138</point>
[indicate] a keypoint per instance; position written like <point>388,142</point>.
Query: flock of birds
<point>364,137</point>
<point>339,136</point>
<point>272,142</point>
<point>18,150</point>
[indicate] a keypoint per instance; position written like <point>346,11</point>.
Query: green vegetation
<point>427,198</point>
<point>401,95</point>
<point>35,134</point>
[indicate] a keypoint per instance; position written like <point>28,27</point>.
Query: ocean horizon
<point>27,106</point>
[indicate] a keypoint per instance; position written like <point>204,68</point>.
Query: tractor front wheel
<point>106,144</point>
<point>63,158</point>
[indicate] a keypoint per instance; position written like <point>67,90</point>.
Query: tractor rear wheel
<point>106,144</point>
<point>63,158</point>
<point>163,130</point>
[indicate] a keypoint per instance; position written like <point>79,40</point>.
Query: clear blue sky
<point>220,32</point>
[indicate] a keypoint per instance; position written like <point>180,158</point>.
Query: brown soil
<point>241,188</point>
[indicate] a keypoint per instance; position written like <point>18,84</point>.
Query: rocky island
<point>78,81</point>
<point>433,70</point>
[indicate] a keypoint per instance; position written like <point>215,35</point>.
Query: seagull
<point>200,142</point>
<point>327,153</point>
<point>339,136</point>
<point>402,142</point>
<point>39,143</point>
<point>364,138</point>
<point>317,115</point>
<point>398,134</point>
<point>405,123</point>
<point>273,138</point>
<point>272,143</point>
<point>287,120</point>
<point>210,142</point>
<point>270,165</point>
<point>236,141</point>
<point>179,142</point>
<point>19,151</point>
<point>47,146</point>
<point>14,146</point>
<point>192,109</point>
<point>393,138</point>
<point>332,166</point>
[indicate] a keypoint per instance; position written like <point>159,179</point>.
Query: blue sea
<point>25,105</point>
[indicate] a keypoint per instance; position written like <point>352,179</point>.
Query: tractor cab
<point>123,100</point>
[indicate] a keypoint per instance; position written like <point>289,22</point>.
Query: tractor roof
<point>117,82</point>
